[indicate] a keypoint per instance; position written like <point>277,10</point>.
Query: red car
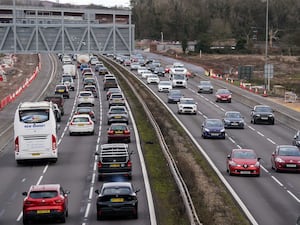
<point>118,132</point>
<point>243,162</point>
<point>48,201</point>
<point>223,95</point>
<point>286,158</point>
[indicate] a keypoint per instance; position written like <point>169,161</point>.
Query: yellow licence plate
<point>117,200</point>
<point>61,90</point>
<point>119,132</point>
<point>43,211</point>
<point>80,125</point>
<point>35,154</point>
<point>114,165</point>
<point>117,117</point>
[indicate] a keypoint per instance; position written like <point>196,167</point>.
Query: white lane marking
<point>267,171</point>
<point>40,180</point>
<point>277,181</point>
<point>261,134</point>
<point>233,141</point>
<point>270,140</point>
<point>239,146</point>
<point>294,196</point>
<point>251,128</point>
<point>91,192</point>
<point>87,211</point>
<point>45,169</point>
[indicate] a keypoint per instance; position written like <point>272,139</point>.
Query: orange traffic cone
<point>265,93</point>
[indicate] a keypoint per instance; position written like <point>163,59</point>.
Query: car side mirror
<point>97,192</point>
<point>258,158</point>
<point>137,190</point>
<point>228,156</point>
<point>25,193</point>
<point>66,192</point>
<point>97,153</point>
<point>273,153</point>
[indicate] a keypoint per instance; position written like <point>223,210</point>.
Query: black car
<point>213,128</point>
<point>159,71</point>
<point>296,140</point>
<point>262,114</point>
<point>117,199</point>
<point>174,96</point>
<point>58,99</point>
<point>233,119</point>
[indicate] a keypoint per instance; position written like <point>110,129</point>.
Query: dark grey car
<point>174,96</point>
<point>205,86</point>
<point>233,119</point>
<point>262,114</point>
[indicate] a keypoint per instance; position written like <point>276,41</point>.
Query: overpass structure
<point>29,29</point>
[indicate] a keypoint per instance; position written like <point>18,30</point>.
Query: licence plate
<point>117,117</point>
<point>117,200</point>
<point>60,90</point>
<point>214,134</point>
<point>245,172</point>
<point>291,165</point>
<point>80,125</point>
<point>264,118</point>
<point>234,124</point>
<point>35,154</point>
<point>43,211</point>
<point>114,165</point>
<point>224,98</point>
<point>119,132</point>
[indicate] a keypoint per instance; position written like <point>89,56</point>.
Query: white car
<point>146,74</point>
<point>81,123</point>
<point>141,70</point>
<point>94,61</point>
<point>67,59</point>
<point>164,86</point>
<point>187,105</point>
<point>134,65</point>
<point>86,98</point>
<point>152,79</point>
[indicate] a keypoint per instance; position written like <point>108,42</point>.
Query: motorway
<point>272,198</point>
<point>75,169</point>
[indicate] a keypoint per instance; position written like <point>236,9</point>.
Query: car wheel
<point>93,132</point>
<point>71,134</point>
<point>25,221</point>
<point>229,101</point>
<point>63,219</point>
<point>254,121</point>
<point>273,122</point>
<point>67,213</point>
<point>99,217</point>
<point>135,216</point>
<point>128,141</point>
<point>99,177</point>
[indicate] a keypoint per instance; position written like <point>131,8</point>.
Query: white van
<point>35,135</point>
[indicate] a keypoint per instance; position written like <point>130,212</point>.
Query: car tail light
<point>129,164</point>
<point>110,132</point>
<point>59,201</point>
<point>126,132</point>
<point>99,164</point>
<point>53,142</point>
<point>90,122</point>
<point>17,144</point>
<point>28,203</point>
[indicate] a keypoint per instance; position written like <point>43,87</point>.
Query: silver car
<point>117,114</point>
<point>205,86</point>
<point>116,99</point>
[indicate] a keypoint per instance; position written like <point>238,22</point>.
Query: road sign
<point>269,71</point>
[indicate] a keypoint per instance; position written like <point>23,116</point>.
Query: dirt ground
<point>23,68</point>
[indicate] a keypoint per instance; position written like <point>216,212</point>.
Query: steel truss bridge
<point>25,29</point>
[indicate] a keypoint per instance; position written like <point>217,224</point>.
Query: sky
<point>106,3</point>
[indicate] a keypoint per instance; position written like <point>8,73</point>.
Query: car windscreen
<point>116,191</point>
<point>80,119</point>
<point>34,116</point>
<point>43,194</point>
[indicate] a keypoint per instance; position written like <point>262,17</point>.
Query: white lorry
<point>178,75</point>
<point>83,58</point>
<point>69,69</point>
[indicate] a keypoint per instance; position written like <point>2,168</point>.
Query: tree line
<point>206,21</point>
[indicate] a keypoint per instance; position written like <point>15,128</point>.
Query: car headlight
<point>206,129</point>
<point>257,115</point>
<point>229,96</point>
<point>280,160</point>
<point>271,115</point>
<point>232,163</point>
<point>227,121</point>
<point>222,130</point>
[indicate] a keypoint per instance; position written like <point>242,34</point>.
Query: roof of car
<point>117,184</point>
<point>44,187</point>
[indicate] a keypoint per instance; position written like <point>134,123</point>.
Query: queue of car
<point>215,127</point>
<point>50,201</point>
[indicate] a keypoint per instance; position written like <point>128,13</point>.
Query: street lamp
<point>267,76</point>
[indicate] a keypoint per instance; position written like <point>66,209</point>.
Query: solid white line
<point>233,141</point>
<point>267,171</point>
<point>45,169</point>
<point>239,146</point>
<point>91,193</point>
<point>40,180</point>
